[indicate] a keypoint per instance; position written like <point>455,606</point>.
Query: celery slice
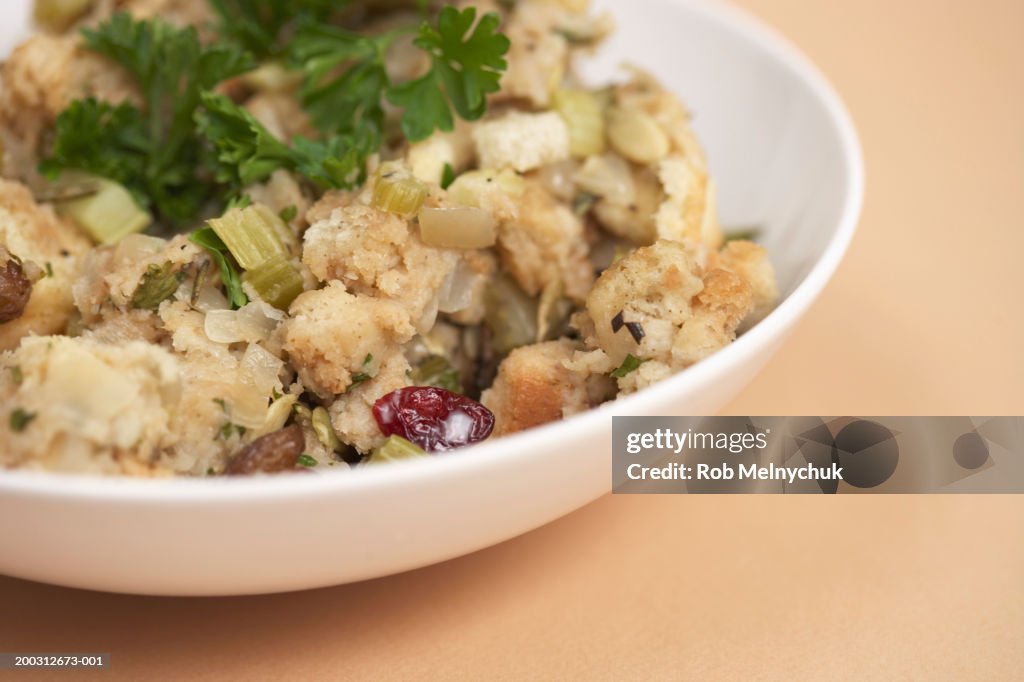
<point>108,214</point>
<point>276,280</point>
<point>324,430</point>
<point>584,115</point>
<point>395,448</point>
<point>252,234</point>
<point>397,191</point>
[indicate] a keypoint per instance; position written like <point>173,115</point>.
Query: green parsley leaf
<point>366,374</point>
<point>246,151</point>
<point>447,176</point>
<point>306,460</point>
<point>229,272</point>
<point>467,63</point>
<point>154,151</point>
<point>262,26</point>
<point>630,364</point>
<point>20,418</point>
<point>288,213</point>
<point>344,78</point>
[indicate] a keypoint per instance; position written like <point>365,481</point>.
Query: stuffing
<point>378,254</point>
<point>631,214</point>
<point>352,413</point>
<point>581,254</point>
<point>659,305</point>
<point>332,333</point>
<point>539,53</point>
<point>545,243</point>
<point>85,406</point>
<point>40,78</point>
<point>522,142</point>
<point>534,387</point>
<point>750,261</point>
<point>35,234</point>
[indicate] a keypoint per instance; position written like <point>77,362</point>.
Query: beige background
<point>924,317</point>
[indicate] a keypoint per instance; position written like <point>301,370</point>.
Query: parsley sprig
<point>152,150</point>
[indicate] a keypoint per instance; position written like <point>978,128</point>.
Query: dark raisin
<point>272,453</point>
<point>15,290</point>
<point>433,418</point>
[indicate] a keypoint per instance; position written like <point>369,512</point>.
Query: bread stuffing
<point>247,238</point>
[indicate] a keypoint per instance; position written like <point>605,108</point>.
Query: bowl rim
<point>489,454</point>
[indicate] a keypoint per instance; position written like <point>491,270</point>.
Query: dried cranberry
<point>433,418</point>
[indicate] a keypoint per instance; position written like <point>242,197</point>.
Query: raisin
<point>274,452</point>
<point>433,418</point>
<point>15,289</point>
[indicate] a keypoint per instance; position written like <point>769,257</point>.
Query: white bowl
<point>785,155</point>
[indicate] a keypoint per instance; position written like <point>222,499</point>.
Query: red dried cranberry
<point>433,418</point>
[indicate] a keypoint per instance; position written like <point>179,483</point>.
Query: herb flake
<point>20,418</point>
<point>629,365</point>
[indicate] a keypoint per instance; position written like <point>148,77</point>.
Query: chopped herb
<point>49,269</point>
<point>583,202</point>
<point>16,375</point>
<point>157,285</point>
<point>289,212</point>
<point>228,428</point>
<point>229,273</point>
<point>617,323</point>
<point>435,370</point>
<point>636,331</point>
<point>748,234</point>
<point>447,176</point>
<point>306,461</point>
<point>366,374</point>
<point>20,418</point>
<point>222,403</point>
<point>630,364</point>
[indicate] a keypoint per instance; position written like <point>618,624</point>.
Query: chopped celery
<point>398,191</point>
<point>252,234</point>
<point>395,448</point>
<point>321,422</point>
<point>108,214</point>
<point>746,234</point>
<point>57,15</point>
<point>276,280</point>
<point>583,114</point>
<point>157,285</point>
<point>435,370</point>
<point>209,240</point>
<point>511,315</point>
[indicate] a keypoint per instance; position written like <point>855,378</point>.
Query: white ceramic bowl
<point>785,156</point>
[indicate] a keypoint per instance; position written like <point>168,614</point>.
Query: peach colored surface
<point>925,317</point>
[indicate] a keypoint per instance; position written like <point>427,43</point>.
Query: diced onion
<point>258,378</point>
<point>607,176</point>
<point>248,324</point>
<point>463,227</point>
<point>636,136</point>
<point>459,288</point>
